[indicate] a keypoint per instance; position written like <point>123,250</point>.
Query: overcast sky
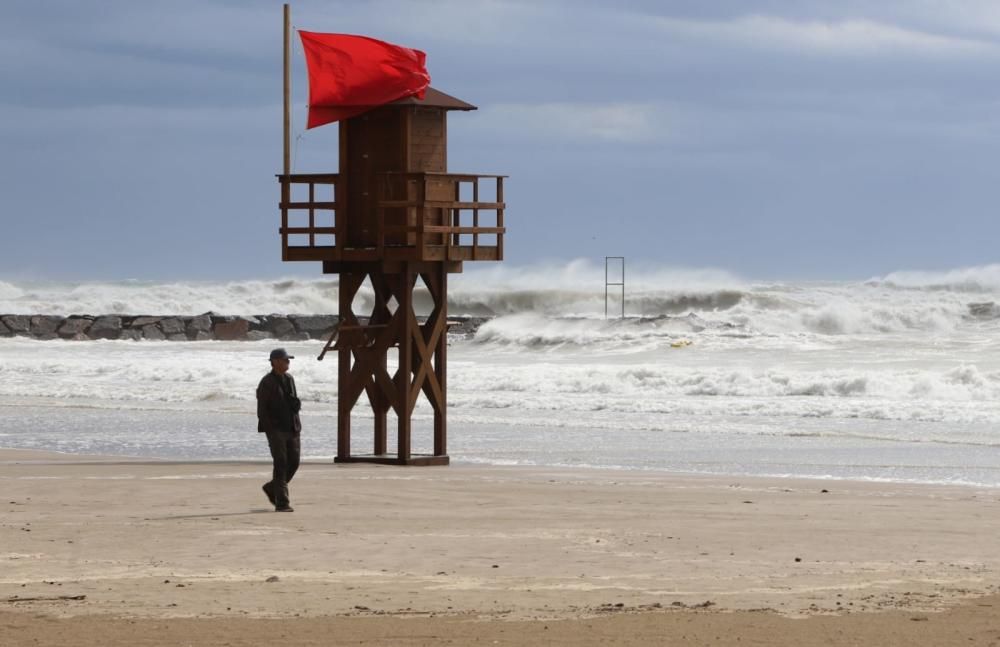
<point>773,139</point>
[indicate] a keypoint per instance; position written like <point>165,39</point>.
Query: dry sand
<point>109,552</point>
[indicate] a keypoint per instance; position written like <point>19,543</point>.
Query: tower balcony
<point>414,216</point>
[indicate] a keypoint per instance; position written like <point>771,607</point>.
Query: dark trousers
<point>285,450</point>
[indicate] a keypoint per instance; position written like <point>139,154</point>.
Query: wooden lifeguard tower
<point>394,215</point>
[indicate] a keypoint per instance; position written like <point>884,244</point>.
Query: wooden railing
<point>429,211</point>
<point>310,231</point>
<point>419,216</point>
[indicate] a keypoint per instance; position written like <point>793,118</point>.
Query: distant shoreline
<point>203,327</point>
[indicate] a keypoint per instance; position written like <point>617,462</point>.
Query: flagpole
<point>288,89</point>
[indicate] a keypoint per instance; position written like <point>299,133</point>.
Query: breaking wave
<point>552,305</point>
<point>981,279</point>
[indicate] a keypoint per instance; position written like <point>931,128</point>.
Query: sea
<point>895,378</point>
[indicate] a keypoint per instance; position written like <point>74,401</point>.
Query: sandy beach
<point>101,551</point>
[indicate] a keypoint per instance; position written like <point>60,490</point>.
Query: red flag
<point>349,75</point>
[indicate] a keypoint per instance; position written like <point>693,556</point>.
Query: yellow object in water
<point>681,343</point>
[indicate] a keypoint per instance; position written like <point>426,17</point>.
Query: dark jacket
<point>278,404</point>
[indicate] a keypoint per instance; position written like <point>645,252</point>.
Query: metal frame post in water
<point>608,283</point>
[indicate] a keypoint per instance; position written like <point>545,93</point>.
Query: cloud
<point>623,123</point>
<point>979,17</point>
<point>751,123</point>
<point>853,37</point>
<point>117,124</point>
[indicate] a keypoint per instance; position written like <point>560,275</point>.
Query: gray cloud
<point>771,138</point>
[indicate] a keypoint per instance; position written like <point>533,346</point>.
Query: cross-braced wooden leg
<point>349,284</point>
<point>404,374</point>
<point>421,368</point>
<point>430,344</point>
<point>441,369</point>
<point>377,397</point>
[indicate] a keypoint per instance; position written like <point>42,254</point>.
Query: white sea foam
<point>985,279</point>
<point>9,292</point>
<point>895,378</point>
<point>288,296</point>
<point>897,303</point>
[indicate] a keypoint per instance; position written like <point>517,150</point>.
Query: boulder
<point>45,326</point>
<point>472,324</point>
<point>202,336</point>
<point>177,337</point>
<point>259,335</point>
<point>252,320</point>
<point>153,333</point>
<point>4,330</point>
<point>106,327</point>
<point>132,334</point>
<point>281,327</point>
<point>17,324</point>
<point>315,326</point>
<point>200,324</point>
<point>457,327</point>
<point>74,326</point>
<point>259,322</point>
<point>172,326</point>
<point>466,326</point>
<point>142,322</point>
<point>235,330</point>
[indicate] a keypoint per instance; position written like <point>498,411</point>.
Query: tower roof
<point>436,99</point>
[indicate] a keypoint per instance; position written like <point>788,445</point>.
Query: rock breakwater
<point>203,327</point>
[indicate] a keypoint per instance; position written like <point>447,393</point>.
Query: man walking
<point>278,416</point>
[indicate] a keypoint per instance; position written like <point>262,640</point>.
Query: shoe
<point>284,508</point>
<point>269,492</point>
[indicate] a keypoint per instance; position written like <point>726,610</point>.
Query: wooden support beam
<point>444,204</point>
<point>349,284</point>
<point>308,230</point>
<point>441,367</point>
<point>320,204</point>
<point>436,229</point>
<point>381,403</point>
<point>363,351</point>
<point>404,375</point>
<point>307,178</point>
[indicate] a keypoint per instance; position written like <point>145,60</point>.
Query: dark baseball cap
<point>280,353</point>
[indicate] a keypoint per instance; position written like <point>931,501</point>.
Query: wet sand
<point>104,551</point>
